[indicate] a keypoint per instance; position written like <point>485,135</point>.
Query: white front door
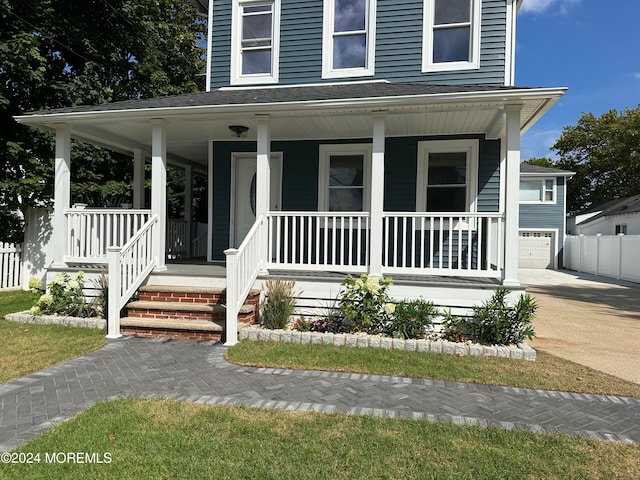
<point>243,193</point>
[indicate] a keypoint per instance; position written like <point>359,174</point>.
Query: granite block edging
<point>521,351</point>
<point>26,317</point>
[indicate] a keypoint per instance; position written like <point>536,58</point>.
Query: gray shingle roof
<point>620,206</point>
<point>243,96</point>
<point>535,169</point>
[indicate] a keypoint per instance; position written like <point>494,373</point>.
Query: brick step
<point>186,294</point>
<point>174,329</point>
<point>184,311</point>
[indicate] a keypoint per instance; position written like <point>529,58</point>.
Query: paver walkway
<point>197,371</point>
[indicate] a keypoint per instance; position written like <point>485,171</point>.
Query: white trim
<point>543,181</point>
<point>510,43</point>
<point>327,43</point>
<point>236,75</point>
<point>211,207</point>
<point>428,65</point>
<point>326,151</point>
<point>555,250</point>
<point>324,84</point>
<point>209,46</point>
<point>468,146</point>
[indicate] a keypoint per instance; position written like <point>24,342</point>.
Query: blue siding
<point>547,215</point>
<point>300,177</point>
<point>398,44</point>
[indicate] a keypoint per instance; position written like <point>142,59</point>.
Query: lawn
<point>547,372</point>
<point>168,439</point>
<point>28,347</point>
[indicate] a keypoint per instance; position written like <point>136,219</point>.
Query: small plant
<point>279,303</point>
<point>495,322</point>
<point>100,303</point>
<point>65,297</point>
<point>411,319</point>
<point>362,303</point>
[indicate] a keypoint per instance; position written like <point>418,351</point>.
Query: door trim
<point>276,202</point>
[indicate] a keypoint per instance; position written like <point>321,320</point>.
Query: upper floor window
<point>538,190</point>
<point>447,176</point>
<point>451,37</point>
<point>349,38</point>
<point>255,41</point>
<point>621,229</point>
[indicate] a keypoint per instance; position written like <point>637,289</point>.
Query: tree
<point>57,53</point>
<point>605,154</point>
<point>541,162</point>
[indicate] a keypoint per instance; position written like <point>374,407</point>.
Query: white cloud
<point>539,6</point>
<point>538,143</point>
<point>636,75</point>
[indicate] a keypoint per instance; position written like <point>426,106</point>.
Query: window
<point>255,41</point>
<point>344,178</point>
<point>451,37</point>
<point>349,38</point>
<point>621,229</point>
<point>538,190</point>
<point>447,176</point>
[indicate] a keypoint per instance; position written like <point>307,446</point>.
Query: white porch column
<point>210,180</point>
<point>512,199</point>
<point>62,193</point>
<point>188,202</point>
<point>263,176</point>
<point>376,190</point>
<point>138,179</point>
<point>159,188</point>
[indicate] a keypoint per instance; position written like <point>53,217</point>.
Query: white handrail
<point>449,243</point>
<point>129,266</point>
<point>243,265</point>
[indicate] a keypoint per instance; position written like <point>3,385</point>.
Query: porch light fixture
<point>239,131</point>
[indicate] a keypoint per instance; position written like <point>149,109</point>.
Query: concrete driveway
<point>593,321</point>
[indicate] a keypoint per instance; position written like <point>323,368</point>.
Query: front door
<point>243,198</point>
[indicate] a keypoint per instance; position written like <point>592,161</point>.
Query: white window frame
<point>326,152</point>
<point>470,147</point>
<point>327,43</point>
<point>543,189</point>
<point>237,77</point>
<point>428,65</point>
<point>620,229</point>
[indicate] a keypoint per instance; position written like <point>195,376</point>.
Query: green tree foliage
<point>57,53</point>
<point>541,162</point>
<point>604,152</point>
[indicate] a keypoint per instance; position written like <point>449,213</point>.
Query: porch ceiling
<point>190,127</point>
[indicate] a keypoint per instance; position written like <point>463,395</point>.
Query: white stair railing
<point>129,266</point>
<point>199,245</point>
<point>243,265</point>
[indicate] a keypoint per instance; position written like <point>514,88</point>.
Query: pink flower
<point>413,320</point>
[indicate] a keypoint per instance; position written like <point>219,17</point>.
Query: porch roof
<point>299,112</point>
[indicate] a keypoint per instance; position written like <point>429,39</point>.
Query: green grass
<point>168,439</point>
<point>28,347</point>
<point>547,372</point>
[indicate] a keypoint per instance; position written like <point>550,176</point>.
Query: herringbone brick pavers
<point>197,372</point>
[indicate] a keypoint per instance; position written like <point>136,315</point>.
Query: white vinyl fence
<point>10,265</point>
<point>613,256</point>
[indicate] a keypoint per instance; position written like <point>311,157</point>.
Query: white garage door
<point>536,249</point>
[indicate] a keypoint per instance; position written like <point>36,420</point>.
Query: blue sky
<point>590,46</point>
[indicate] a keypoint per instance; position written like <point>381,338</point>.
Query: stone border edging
<point>521,351</point>
<point>26,317</point>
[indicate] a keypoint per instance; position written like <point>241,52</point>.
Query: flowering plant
<point>65,297</point>
<point>365,303</point>
<point>412,319</point>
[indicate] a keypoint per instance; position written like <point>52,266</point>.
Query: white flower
<point>373,284</point>
<point>390,308</point>
<point>74,285</point>
<point>35,283</point>
<point>80,274</point>
<point>46,299</point>
<point>35,311</point>
<point>58,279</point>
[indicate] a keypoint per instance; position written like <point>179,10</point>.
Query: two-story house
<point>338,136</point>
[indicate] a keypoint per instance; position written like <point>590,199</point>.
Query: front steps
<point>183,312</point>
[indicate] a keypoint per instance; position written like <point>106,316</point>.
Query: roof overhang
<point>127,126</point>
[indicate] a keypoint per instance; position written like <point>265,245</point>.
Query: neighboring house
<point>338,136</point>
<point>619,216</point>
<point>543,203</point>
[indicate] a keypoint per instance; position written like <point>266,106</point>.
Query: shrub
<point>279,303</point>
<point>495,322</point>
<point>362,302</point>
<point>65,297</point>
<point>411,319</point>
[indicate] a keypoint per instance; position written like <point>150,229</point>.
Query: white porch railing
<point>199,245</point>
<point>176,238</point>
<point>319,241</point>
<point>459,244</point>
<point>10,265</point>
<point>243,265</point>
<point>91,231</point>
<point>129,266</point>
